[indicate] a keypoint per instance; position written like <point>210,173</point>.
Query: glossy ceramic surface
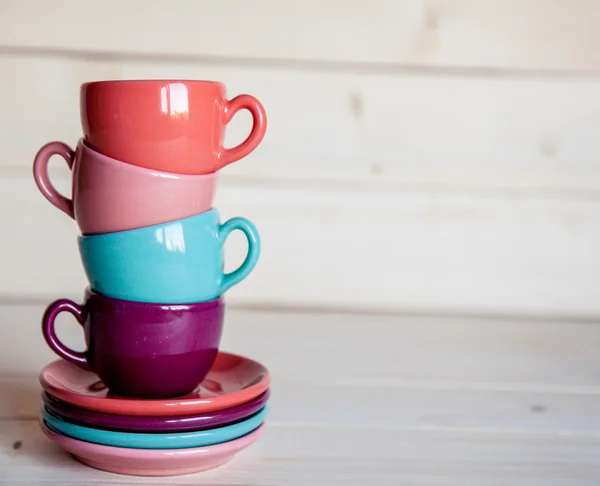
<point>174,440</point>
<point>231,381</point>
<point>177,262</point>
<point>139,349</point>
<point>151,462</point>
<point>127,423</point>
<point>110,195</point>
<point>169,125</point>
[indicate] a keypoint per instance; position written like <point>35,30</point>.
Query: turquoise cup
<point>178,262</point>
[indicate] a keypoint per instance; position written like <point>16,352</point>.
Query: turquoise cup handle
<point>248,228</point>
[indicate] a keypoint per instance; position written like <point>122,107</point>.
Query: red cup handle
<point>42,179</point>
<point>259,127</point>
<point>48,322</point>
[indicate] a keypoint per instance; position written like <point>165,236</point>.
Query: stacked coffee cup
<point>144,180</point>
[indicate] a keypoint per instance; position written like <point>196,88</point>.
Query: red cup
<point>173,126</point>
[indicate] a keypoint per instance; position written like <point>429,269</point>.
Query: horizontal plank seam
<point>499,315</point>
<point>295,64</point>
<point>480,191</point>
<point>592,434</point>
<point>393,383</point>
<point>520,388</point>
<point>451,314</point>
<point>497,431</point>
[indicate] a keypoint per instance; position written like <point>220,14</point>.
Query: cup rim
<point>84,146</point>
<point>212,211</point>
<point>107,82</point>
<point>205,305</point>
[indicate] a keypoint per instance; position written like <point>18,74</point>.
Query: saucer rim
<point>149,440</point>
<point>160,424</point>
<point>158,407</point>
<point>164,460</point>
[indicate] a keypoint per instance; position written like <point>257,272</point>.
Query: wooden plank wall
<point>421,155</point>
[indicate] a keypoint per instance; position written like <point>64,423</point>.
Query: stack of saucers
<point>184,435</point>
<point>152,394</point>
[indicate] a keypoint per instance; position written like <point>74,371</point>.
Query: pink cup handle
<point>48,322</point>
<point>259,127</point>
<point>42,179</point>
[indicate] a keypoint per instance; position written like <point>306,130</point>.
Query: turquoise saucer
<point>131,440</point>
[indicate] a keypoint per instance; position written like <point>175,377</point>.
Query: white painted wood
<point>382,250</point>
<point>537,34</point>
<point>420,156</point>
<point>398,408</point>
<point>298,454</point>
<point>445,190</point>
<point>366,399</point>
<point>369,351</point>
<point>400,131</point>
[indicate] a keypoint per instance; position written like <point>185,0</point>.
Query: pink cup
<point>110,195</point>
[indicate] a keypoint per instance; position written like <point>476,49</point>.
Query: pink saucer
<point>231,381</point>
<point>152,462</point>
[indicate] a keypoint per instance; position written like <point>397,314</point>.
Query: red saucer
<point>232,380</point>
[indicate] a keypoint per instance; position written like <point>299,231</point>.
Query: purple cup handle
<point>49,332</point>
<point>42,178</point>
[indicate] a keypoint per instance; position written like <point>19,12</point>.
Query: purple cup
<point>128,423</point>
<point>139,349</point>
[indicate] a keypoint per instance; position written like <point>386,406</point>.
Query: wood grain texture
<point>421,156</point>
<point>414,251</point>
<point>388,188</point>
<point>537,34</point>
<point>398,131</point>
<point>409,409</point>
<point>367,399</point>
<point>370,351</point>
<point>299,455</point>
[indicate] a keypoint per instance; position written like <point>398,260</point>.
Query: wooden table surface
<point>364,400</point>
